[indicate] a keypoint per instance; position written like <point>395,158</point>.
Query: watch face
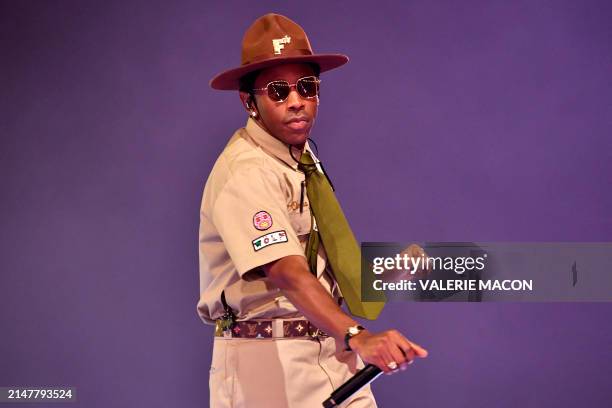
<point>353,330</point>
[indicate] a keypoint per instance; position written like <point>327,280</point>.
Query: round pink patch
<point>262,220</point>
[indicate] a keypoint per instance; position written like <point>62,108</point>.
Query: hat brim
<point>230,80</point>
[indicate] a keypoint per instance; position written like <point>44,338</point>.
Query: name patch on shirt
<point>275,237</point>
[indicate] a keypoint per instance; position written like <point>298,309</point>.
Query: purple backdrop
<point>485,121</point>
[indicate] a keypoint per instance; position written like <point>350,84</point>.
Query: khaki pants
<point>283,372</point>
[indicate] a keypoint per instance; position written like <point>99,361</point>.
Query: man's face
<point>290,120</point>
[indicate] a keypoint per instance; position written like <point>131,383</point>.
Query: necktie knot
<point>307,164</point>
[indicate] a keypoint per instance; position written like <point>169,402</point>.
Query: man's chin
<point>296,138</point>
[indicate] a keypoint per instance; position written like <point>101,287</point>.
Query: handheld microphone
<point>363,377</point>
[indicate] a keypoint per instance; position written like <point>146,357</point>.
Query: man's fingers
<point>409,354</point>
<point>408,357</point>
<point>379,362</point>
<point>408,346</point>
<point>415,251</point>
<point>405,347</point>
<point>418,350</point>
<point>399,356</point>
<point>390,362</point>
<point>405,365</point>
<point>390,351</point>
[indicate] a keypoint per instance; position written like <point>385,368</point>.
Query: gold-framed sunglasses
<point>307,87</point>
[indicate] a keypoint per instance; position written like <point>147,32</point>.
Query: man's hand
<point>416,252</point>
<point>383,349</point>
<point>292,276</point>
<point>417,257</point>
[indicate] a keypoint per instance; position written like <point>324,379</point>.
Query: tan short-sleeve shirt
<point>250,216</point>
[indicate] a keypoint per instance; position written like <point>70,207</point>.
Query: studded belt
<point>274,328</point>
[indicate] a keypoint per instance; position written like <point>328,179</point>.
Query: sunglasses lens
<point>278,90</point>
<point>308,87</point>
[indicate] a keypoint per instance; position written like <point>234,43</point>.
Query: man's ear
<point>247,100</point>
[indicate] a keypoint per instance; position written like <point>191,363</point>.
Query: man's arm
<point>291,275</point>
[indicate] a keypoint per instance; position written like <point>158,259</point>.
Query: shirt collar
<point>272,145</point>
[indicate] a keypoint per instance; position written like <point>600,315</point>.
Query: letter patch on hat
<point>279,43</point>
<point>275,237</point>
<point>262,220</point>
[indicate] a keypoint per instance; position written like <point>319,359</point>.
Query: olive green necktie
<point>343,252</point>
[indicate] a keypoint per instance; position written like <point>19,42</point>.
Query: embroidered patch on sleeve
<point>262,220</point>
<point>275,237</point>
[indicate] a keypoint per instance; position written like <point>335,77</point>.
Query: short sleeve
<point>252,219</point>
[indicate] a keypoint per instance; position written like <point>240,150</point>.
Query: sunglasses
<point>278,91</point>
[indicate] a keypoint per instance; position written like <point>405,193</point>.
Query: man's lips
<point>298,123</point>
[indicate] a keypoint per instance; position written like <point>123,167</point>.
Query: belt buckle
<point>225,324</point>
<point>221,330</point>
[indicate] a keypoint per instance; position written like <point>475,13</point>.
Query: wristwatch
<point>351,332</point>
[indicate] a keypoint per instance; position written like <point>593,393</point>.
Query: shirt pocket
<point>300,221</point>
<point>298,207</point>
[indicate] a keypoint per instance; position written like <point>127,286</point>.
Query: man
<point>281,338</point>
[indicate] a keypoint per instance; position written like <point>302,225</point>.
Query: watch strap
<point>349,335</point>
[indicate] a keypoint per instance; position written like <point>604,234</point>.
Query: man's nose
<point>294,100</point>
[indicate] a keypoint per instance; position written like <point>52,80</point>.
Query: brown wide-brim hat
<point>272,40</point>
